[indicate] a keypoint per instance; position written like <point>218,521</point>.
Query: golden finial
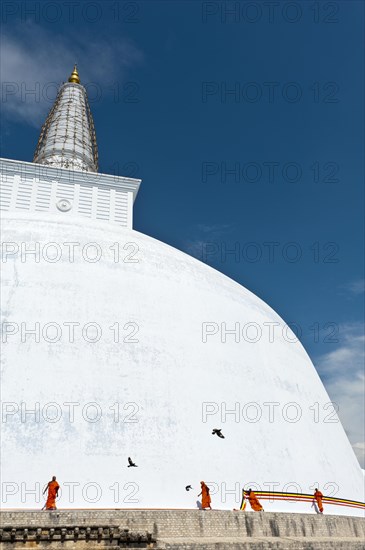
<point>74,76</point>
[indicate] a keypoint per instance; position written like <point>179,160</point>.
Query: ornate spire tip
<point>74,76</point>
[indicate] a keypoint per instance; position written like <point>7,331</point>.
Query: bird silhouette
<point>218,433</point>
<point>188,487</point>
<point>131,464</point>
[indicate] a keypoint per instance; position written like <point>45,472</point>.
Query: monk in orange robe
<point>254,502</point>
<point>205,496</point>
<point>53,488</point>
<point>318,498</point>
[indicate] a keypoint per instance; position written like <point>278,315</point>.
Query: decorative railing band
<point>302,497</point>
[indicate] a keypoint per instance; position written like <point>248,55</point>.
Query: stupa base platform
<point>178,530</point>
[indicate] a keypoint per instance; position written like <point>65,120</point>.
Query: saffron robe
<point>254,503</point>
<point>205,497</point>
<point>52,494</point>
<point>318,497</point>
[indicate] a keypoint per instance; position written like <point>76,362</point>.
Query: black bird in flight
<point>131,464</point>
<point>218,433</point>
<point>188,487</point>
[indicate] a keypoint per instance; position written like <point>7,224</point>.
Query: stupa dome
<point>148,373</point>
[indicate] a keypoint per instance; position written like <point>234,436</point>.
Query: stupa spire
<point>67,138</point>
<point>74,76</point>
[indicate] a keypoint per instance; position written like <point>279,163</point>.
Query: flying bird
<point>218,433</point>
<point>131,464</point>
<point>188,487</point>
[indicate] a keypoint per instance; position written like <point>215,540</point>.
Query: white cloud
<point>343,372</point>
<point>207,242</point>
<point>355,288</point>
<point>33,59</point>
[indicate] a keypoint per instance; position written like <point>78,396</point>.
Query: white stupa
<point>116,345</point>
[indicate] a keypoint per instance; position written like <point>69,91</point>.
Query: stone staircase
<point>179,530</point>
<point>267,543</point>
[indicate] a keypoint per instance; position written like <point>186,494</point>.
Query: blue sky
<point>247,130</point>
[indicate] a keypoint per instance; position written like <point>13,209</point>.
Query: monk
<point>318,498</point>
<point>205,496</point>
<point>53,488</point>
<point>254,502</point>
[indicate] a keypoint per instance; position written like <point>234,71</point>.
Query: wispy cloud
<point>35,60</point>
<point>352,290</point>
<point>355,287</point>
<point>205,235</point>
<point>343,373</point>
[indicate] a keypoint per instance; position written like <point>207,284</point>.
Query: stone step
<point>63,546</point>
<point>258,543</point>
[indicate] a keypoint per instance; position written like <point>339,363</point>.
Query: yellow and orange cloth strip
<point>297,497</point>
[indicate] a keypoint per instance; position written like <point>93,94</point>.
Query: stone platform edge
<point>166,524</point>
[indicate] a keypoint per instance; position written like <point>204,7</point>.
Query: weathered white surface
<point>168,373</point>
